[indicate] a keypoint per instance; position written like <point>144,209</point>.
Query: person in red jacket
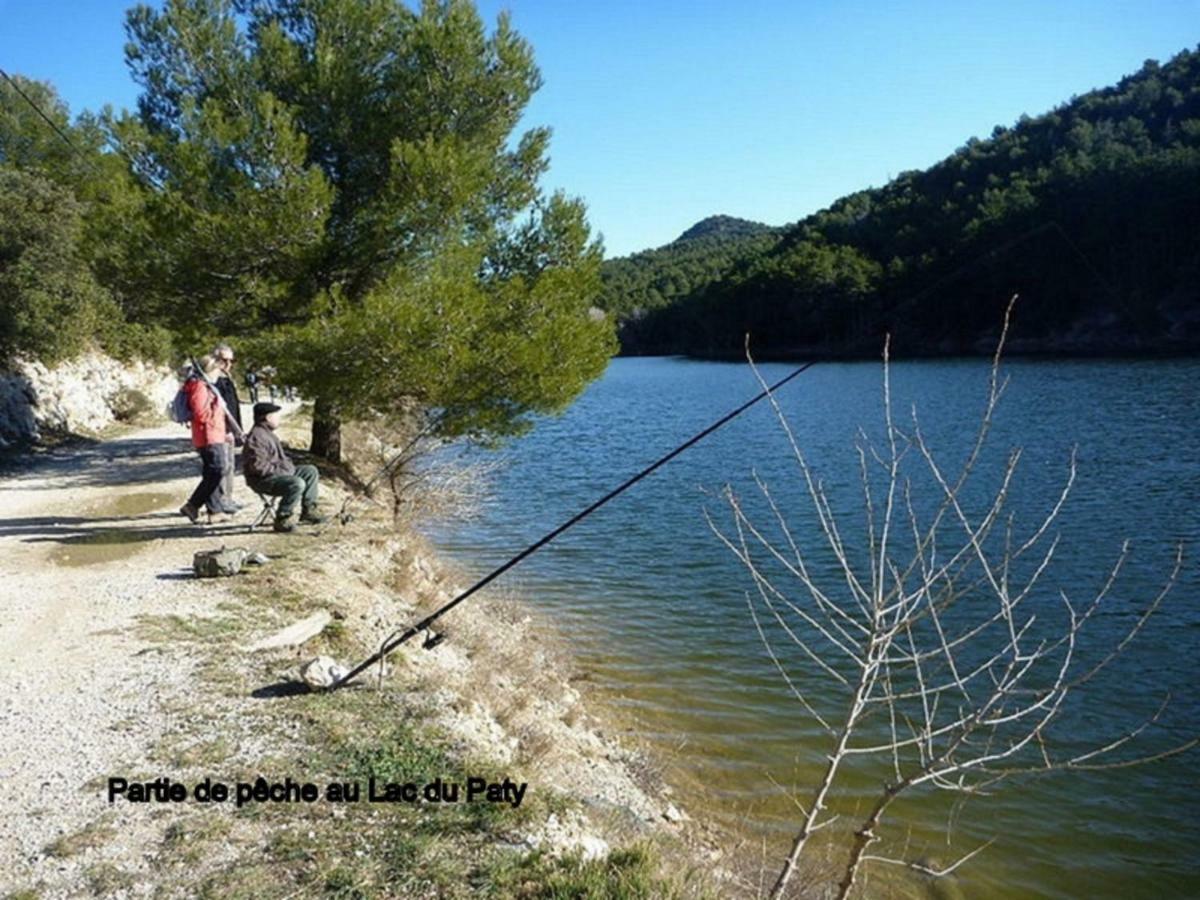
<point>208,435</point>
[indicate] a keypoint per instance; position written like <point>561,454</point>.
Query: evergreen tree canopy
<point>50,305</point>
<point>339,182</point>
<point>68,211</point>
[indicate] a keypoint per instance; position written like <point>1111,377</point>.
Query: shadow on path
<point>124,461</point>
<point>76,535</point>
<point>113,529</point>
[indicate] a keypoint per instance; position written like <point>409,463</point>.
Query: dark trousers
<point>301,486</point>
<point>222,497</point>
<point>212,458</point>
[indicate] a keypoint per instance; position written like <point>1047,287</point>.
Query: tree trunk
<point>864,837</point>
<point>326,431</point>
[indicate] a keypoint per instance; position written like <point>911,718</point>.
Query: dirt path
<point>90,541</point>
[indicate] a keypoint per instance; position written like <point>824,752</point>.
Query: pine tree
<point>339,182</point>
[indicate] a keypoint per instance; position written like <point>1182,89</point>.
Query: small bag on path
<point>219,563</point>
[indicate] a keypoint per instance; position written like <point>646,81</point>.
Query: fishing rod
<point>396,638</point>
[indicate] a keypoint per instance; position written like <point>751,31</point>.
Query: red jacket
<point>208,421</point>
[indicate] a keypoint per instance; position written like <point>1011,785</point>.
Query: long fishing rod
<point>396,638</point>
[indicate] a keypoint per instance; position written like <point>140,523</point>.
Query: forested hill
<point>638,284</point>
<point>724,227</point>
<point>1090,212</point>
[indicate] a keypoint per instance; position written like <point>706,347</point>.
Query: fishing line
<point>45,118</point>
<point>116,148</point>
<point>396,638</point>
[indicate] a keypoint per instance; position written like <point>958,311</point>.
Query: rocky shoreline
<point>499,692</point>
<point>500,688</point>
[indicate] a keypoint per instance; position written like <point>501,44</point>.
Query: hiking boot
<point>284,526</point>
<point>312,517</point>
<point>191,512</point>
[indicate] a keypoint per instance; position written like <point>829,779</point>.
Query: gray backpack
<point>179,410</point>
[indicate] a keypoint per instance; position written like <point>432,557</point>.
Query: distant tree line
<point>1091,212</point>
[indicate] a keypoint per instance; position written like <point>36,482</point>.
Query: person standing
<point>251,378</point>
<point>208,434</point>
<point>222,500</point>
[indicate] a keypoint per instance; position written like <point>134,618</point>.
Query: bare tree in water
<point>937,651</point>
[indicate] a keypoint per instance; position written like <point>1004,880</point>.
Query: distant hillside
<point>1091,212</point>
<point>724,227</point>
<point>639,284</point>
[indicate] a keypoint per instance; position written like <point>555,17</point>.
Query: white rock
<point>672,814</point>
<point>592,847</point>
<point>77,395</point>
<point>322,672</point>
<point>295,634</point>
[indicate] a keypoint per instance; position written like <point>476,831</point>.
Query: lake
<point>655,606</point>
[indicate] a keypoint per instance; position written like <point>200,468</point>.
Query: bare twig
<point>941,661</point>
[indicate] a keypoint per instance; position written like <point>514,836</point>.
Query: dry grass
<point>364,574</point>
<point>94,834</point>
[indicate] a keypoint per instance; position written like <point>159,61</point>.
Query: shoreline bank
<point>169,686</point>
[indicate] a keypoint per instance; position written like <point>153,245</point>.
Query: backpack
<point>179,409</point>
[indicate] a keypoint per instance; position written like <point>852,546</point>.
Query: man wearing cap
<point>269,471</point>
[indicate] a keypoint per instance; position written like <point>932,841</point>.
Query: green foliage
<point>647,281</point>
<point>626,874</point>
<point>338,182</point>
<point>399,755</point>
<point>50,305</point>
<point>129,341</point>
<point>82,278</point>
<point>482,352</point>
<point>1087,211</point>
<point>26,141</point>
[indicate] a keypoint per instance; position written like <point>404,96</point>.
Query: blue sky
<point>665,112</point>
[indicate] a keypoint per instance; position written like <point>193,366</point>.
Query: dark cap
<point>262,410</point>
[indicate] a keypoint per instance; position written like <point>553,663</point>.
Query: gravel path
<point>90,541</point>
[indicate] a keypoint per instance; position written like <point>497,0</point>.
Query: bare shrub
<point>938,649</point>
<point>398,457</point>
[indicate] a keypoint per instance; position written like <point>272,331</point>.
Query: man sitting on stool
<point>269,471</point>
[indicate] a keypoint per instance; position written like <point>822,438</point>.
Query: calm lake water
<point>656,608</point>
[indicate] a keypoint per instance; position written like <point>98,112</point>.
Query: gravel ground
<point>90,541</point>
